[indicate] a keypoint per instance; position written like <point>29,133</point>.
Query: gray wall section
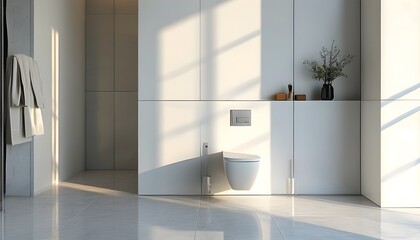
<point>126,56</point>
<point>126,130</point>
<point>100,53</point>
<point>19,158</point>
<point>19,24</point>
<point>111,84</point>
<point>19,173</point>
<point>371,50</point>
<point>100,130</point>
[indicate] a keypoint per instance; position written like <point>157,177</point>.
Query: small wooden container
<point>300,97</point>
<point>281,96</point>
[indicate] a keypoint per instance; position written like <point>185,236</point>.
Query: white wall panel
<point>246,49</point>
<point>391,135</point>
<point>400,49</point>
<point>317,24</point>
<point>371,150</point>
<point>65,20</point>
<point>327,147</point>
<point>169,56</point>
<point>276,47</point>
<point>231,47</point>
<point>72,84</point>
<point>171,137</point>
<point>269,136</point>
<point>169,147</point>
<point>281,115</point>
<point>246,52</point>
<point>400,163</point>
<point>370,104</point>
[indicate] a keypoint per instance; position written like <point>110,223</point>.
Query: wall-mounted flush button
<point>242,120</point>
<point>240,117</point>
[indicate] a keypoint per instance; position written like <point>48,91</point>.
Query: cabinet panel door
<point>99,53</point>
<point>100,123</point>
<point>126,56</point>
<point>126,130</point>
<point>126,7</point>
<point>100,7</point>
<point>327,147</point>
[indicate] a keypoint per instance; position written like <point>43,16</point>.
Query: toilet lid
<point>240,157</point>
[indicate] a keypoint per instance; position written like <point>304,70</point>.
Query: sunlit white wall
<point>197,61</point>
<point>270,136</point>
<point>400,60</point>
<point>215,49</point>
<point>172,134</point>
<point>395,27</point>
<point>169,147</point>
<point>400,107</point>
<point>59,50</point>
<point>231,50</point>
<point>400,153</point>
<point>169,50</point>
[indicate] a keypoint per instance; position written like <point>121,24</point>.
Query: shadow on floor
<point>118,180</point>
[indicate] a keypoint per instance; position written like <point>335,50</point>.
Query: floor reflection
<point>73,210</point>
<point>220,224</point>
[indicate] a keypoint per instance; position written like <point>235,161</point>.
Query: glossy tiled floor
<point>99,205</point>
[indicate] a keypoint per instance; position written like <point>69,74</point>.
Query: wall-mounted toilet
<point>241,169</point>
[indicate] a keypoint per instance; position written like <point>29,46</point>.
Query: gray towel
<point>25,100</point>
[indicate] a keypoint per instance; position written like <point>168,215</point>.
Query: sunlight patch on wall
<point>178,59</point>
<point>231,50</point>
<point>400,153</point>
<point>55,73</point>
<point>400,41</point>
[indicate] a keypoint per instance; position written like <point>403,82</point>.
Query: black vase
<point>327,92</point>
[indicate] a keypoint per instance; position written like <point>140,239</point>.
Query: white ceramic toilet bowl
<point>241,169</point>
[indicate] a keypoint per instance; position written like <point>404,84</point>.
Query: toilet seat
<point>240,157</point>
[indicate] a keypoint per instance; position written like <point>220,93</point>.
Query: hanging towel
<point>25,100</point>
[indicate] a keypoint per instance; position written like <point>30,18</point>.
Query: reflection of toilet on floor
<point>241,169</point>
